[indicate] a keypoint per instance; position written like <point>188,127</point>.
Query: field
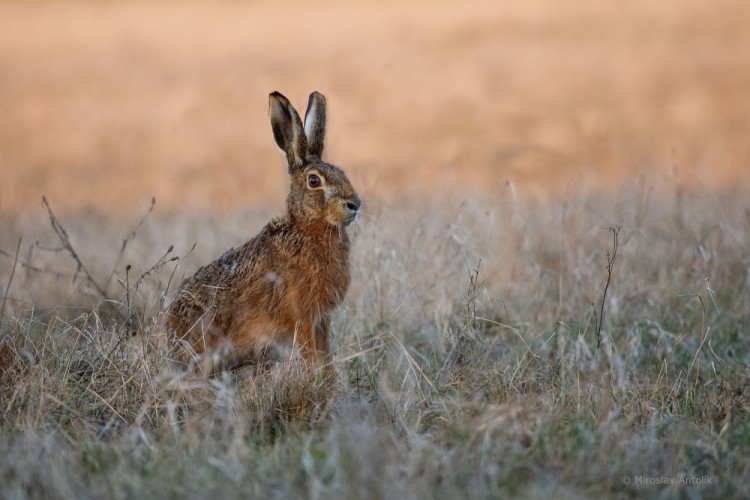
<point>550,274</point>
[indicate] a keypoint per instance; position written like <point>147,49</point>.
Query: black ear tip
<point>316,96</point>
<point>277,96</point>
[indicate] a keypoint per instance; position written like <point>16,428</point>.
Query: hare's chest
<point>326,284</point>
<point>311,276</point>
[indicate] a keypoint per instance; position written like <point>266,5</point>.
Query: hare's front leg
<point>322,335</point>
<point>312,339</point>
<point>305,340</point>
<point>322,332</point>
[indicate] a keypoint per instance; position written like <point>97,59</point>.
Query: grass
<point>466,357</point>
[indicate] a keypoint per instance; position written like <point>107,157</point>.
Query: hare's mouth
<point>351,215</point>
<point>351,218</point>
<point>341,219</point>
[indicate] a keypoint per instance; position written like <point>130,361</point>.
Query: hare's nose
<point>353,203</point>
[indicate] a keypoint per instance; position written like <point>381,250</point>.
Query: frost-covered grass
<point>466,358</point>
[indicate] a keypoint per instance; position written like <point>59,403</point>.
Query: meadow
<point>550,273</point>
<point>476,355</point>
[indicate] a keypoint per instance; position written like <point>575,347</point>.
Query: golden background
<point>105,104</point>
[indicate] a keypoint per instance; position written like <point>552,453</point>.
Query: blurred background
<point>104,104</point>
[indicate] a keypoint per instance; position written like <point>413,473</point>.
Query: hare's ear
<point>287,130</point>
<point>315,124</point>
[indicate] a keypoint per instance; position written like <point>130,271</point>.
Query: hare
<point>285,282</point>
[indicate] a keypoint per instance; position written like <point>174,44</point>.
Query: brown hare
<point>285,282</point>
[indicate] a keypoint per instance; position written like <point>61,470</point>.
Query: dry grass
<point>465,355</point>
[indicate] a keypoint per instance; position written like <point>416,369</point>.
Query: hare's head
<point>319,190</point>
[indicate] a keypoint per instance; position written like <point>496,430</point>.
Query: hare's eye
<point>313,181</point>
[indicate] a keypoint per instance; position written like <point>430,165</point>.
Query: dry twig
<point>615,230</point>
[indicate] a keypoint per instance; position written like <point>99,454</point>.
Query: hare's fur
<point>285,282</point>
